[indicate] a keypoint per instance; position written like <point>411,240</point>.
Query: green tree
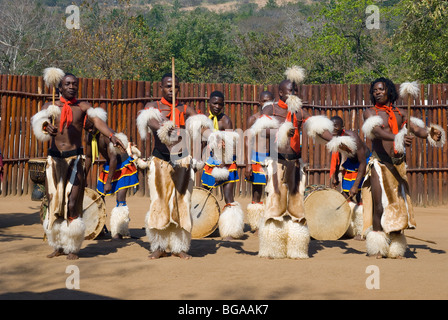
<point>200,42</point>
<point>29,35</point>
<point>422,39</point>
<point>342,49</point>
<point>109,44</point>
<point>263,57</point>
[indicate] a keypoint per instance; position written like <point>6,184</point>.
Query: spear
<point>409,90</point>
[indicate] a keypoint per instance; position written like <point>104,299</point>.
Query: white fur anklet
<point>53,235</point>
<point>119,221</point>
<point>72,235</point>
<point>377,242</point>
<point>231,221</point>
<point>397,246</point>
<point>272,239</point>
<point>255,212</point>
<point>298,240</point>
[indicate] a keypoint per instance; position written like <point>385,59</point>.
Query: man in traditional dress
<point>221,168</point>
<point>171,169</point>
<point>65,176</point>
<point>257,151</point>
<point>119,173</point>
<point>282,231</point>
<point>388,209</point>
<point>352,154</point>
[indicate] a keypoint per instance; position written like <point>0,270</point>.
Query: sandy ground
<point>219,270</point>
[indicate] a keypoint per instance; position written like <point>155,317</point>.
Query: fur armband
<point>164,132</point>
<point>399,140</point>
<point>263,123</point>
<point>196,123</point>
<point>216,142</point>
<point>316,125</point>
<point>197,164</point>
<point>136,154</point>
<point>144,116</point>
<point>267,103</point>
<point>53,111</point>
<point>116,150</point>
<point>432,142</point>
<point>99,113</point>
<point>37,123</point>
<point>399,137</point>
<point>418,122</point>
<point>335,144</point>
<point>370,124</point>
<point>283,138</point>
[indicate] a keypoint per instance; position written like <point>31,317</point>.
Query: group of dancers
<point>374,180</point>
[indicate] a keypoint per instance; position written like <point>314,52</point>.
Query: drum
<point>37,170</point>
<point>94,213</point>
<point>205,213</point>
<point>37,175</point>
<point>327,213</point>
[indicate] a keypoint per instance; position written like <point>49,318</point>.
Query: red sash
<point>295,140</point>
<point>180,115</point>
<point>66,114</point>
<point>393,124</point>
<point>392,118</point>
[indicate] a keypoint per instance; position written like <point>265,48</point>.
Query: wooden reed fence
<point>22,96</point>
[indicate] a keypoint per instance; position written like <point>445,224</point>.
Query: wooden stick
<point>345,201</point>
<point>174,89</point>
<point>409,114</point>
<point>420,239</point>
<point>54,98</point>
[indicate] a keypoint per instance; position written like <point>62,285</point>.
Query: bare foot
<point>379,256</point>
<point>157,254</point>
<point>72,256</point>
<point>117,237</point>
<point>56,253</point>
<point>358,237</point>
<point>183,255</point>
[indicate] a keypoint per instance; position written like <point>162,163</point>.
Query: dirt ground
<point>219,270</point>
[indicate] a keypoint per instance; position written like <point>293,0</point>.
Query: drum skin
<point>205,213</point>
<point>94,213</point>
<point>327,213</point>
